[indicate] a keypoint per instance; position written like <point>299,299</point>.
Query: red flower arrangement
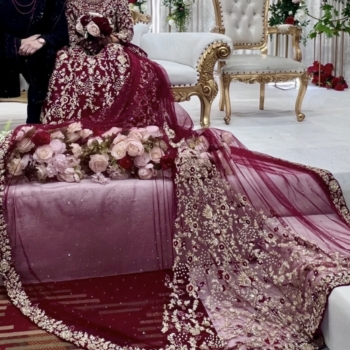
<point>322,76</point>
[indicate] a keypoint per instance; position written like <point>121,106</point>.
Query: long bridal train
<point>202,245</point>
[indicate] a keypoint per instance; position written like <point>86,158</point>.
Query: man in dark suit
<point>31,33</point>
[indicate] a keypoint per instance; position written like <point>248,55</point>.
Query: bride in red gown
<point>223,248</point>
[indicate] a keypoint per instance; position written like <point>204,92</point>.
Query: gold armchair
<point>246,22</point>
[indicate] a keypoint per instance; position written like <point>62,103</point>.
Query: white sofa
<point>189,59</point>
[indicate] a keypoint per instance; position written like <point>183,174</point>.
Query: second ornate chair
<point>246,23</point>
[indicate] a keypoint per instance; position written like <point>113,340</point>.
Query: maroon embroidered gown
<point>237,250</point>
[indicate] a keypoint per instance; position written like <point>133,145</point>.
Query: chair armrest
<point>186,48</point>
<point>295,32</point>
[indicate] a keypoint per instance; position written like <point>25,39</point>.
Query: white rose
<point>154,131</point>
<point>85,133</point>
<point>119,138</point>
<point>25,145</point>
<point>136,9</point>
<point>171,22</point>
<point>112,131</point>
<point>142,161</point>
<point>74,127</point>
<point>43,153</point>
<point>143,7</point>
<point>135,134</point>
<point>98,163</point>
<point>94,140</point>
<point>41,172</point>
<point>26,159</point>
<point>156,154</point>
<point>146,173</point>
<point>73,136</point>
<point>57,135</point>
<point>135,148</point>
<point>70,175</point>
<point>93,29</point>
<point>76,149</point>
<point>187,2</point>
<point>15,167</point>
<point>300,16</point>
<point>58,146</point>
<point>119,150</point>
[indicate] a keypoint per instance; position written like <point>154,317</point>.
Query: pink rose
<point>43,153</point>
<point>25,145</point>
<point>93,29</point>
<point>119,138</point>
<point>76,150</point>
<point>135,148</point>
<point>156,154</point>
<point>25,131</point>
<point>60,163</point>
<point>111,132</point>
<point>140,134</point>
<point>85,133</point>
<point>119,150</point>
<point>57,135</point>
<point>74,127</point>
<point>15,167</point>
<point>154,131</point>
<point>58,146</point>
<point>142,161</point>
<point>227,137</point>
<point>146,173</point>
<point>98,163</point>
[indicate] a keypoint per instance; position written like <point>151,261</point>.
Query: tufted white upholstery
<point>261,64</point>
<point>244,21</point>
<point>182,48</point>
<point>179,74</point>
<point>188,59</point>
<point>139,30</point>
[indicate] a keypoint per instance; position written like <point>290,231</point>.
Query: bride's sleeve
<point>125,24</point>
<point>74,37</point>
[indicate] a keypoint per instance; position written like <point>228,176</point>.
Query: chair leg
<point>205,111</point>
<point>303,83</point>
<point>221,92</point>
<point>221,84</point>
<point>227,100</point>
<point>262,96</point>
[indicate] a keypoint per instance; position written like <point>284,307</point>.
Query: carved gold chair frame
<point>264,78</point>
<point>206,88</point>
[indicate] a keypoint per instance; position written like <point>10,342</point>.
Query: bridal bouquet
<point>72,153</point>
<point>94,25</point>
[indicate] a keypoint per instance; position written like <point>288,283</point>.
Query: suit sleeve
<point>57,36</point>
